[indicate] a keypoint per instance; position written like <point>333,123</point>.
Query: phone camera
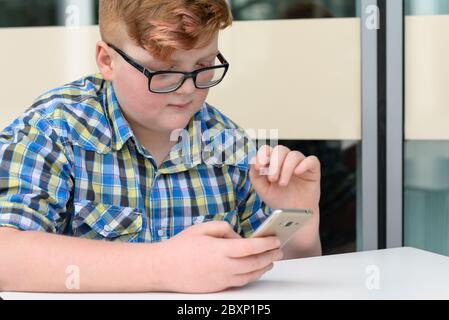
<point>288,224</point>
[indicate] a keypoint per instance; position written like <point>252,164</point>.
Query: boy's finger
<point>310,164</point>
<point>262,158</point>
<point>256,262</point>
<point>290,163</point>
<point>259,181</point>
<point>244,279</point>
<point>238,248</point>
<point>276,162</point>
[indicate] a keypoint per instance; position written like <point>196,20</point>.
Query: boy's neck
<point>158,144</point>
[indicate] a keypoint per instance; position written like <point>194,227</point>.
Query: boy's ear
<point>104,60</point>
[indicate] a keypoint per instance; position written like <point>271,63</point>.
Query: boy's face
<point>152,112</point>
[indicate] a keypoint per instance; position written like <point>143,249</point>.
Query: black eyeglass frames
<point>171,81</point>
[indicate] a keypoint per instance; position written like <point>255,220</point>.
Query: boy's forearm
<point>40,262</point>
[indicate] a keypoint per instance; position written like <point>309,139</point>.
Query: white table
<point>402,273</point>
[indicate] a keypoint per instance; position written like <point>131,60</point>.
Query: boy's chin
<point>177,125</point>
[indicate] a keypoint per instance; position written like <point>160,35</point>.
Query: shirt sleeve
<point>35,176</point>
<point>251,209</point>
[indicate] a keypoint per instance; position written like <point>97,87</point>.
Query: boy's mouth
<point>181,106</point>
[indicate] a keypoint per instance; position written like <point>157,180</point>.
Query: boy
<point>98,159</point>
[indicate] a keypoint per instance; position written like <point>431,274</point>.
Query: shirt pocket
<point>94,220</point>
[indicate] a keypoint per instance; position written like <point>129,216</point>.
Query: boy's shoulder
<point>83,94</point>
<point>74,112</point>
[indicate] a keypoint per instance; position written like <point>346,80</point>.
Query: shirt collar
<point>120,127</point>
<point>186,154</point>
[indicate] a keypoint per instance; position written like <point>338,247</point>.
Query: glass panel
<point>338,191</point>
<point>426,195</point>
<point>426,167</point>
<point>25,13</point>
<point>426,7</point>
<point>292,9</point>
<point>19,13</point>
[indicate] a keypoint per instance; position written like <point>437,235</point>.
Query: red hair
<point>163,26</point>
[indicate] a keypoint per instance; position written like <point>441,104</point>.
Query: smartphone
<point>283,223</point>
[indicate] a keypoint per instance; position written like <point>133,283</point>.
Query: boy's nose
<point>188,87</point>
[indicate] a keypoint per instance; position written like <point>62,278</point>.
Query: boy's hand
<point>211,257</point>
<point>285,178</point>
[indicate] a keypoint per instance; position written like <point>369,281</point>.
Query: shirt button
<point>107,228</point>
<point>160,233</point>
<point>198,220</point>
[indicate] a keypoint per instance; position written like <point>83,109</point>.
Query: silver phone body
<point>283,223</point>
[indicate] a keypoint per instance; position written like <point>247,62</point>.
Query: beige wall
<point>427,78</point>
<point>299,76</point>
<point>39,59</point>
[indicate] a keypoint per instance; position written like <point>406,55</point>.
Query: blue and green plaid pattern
<point>71,165</point>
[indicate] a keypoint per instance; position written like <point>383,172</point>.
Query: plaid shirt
<point>71,165</point>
